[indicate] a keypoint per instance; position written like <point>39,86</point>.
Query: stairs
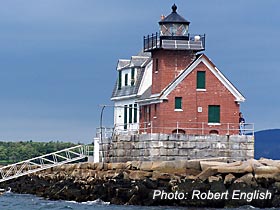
<point>45,161</point>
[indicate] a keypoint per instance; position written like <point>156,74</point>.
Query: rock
<point>146,166</point>
<point>125,175</point>
<point>266,170</point>
<point>229,179</point>
<point>128,165</point>
<point>206,173</point>
<point>276,186</point>
<point>254,163</point>
<point>276,201</point>
<point>214,178</point>
<point>267,176</point>
<point>193,164</point>
<point>249,179</point>
<point>114,166</point>
<point>244,168</point>
<point>139,175</point>
<point>157,175</point>
<point>178,167</point>
<point>192,172</point>
<point>270,162</point>
<point>135,165</point>
<point>206,164</point>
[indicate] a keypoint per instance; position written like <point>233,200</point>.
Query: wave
<point>97,201</point>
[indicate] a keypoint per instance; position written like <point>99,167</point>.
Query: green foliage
<point>12,152</point>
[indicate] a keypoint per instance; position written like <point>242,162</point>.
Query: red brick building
<point>188,93</point>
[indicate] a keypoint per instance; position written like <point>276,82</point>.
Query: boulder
<point>139,175</point>
<point>168,167</point>
<point>249,179</point>
<point>114,166</point>
<point>135,165</point>
<point>229,179</point>
<point>146,166</point>
<point>157,175</point>
<point>214,178</point>
<point>266,170</point>
<point>270,162</point>
<point>243,168</point>
<point>207,164</point>
<point>206,173</point>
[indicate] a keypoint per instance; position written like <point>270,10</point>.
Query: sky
<point>58,59</point>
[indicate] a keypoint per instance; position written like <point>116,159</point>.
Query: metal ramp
<point>45,161</point>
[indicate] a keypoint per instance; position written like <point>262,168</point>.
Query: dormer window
<point>125,79</point>
<point>120,80</point>
<point>132,81</point>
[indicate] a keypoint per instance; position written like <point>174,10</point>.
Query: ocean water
<point>12,201</point>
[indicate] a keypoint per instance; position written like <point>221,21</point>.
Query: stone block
<point>154,144</point>
<point>172,152</point>
<point>135,152</point>
<point>121,153</point>
<point>169,144</point>
<point>154,152</point>
<point>144,152</point>
<point>127,145</point>
<point>184,152</point>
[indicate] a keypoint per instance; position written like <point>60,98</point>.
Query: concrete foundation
<point>155,147</point>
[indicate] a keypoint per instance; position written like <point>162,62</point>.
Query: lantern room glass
<point>174,29</point>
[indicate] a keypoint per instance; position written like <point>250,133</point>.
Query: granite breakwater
<point>198,183</point>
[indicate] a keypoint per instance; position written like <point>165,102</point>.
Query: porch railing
<point>192,128</point>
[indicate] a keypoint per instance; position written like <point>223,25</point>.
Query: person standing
<point>241,124</point>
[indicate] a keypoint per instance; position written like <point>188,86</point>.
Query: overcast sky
<point>58,58</point>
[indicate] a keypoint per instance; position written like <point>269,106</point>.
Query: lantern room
<point>174,25</point>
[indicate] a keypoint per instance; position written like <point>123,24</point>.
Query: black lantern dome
<point>174,24</point>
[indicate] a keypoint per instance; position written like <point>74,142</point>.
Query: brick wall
<point>215,94</point>
<point>170,64</point>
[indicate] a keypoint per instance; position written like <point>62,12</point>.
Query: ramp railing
<point>45,161</point>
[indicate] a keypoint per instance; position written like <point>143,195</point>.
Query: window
<point>145,113</point>
<point>200,84</point>
<point>120,80</point>
<point>214,114</point>
<point>132,76</point>
<point>135,113</point>
<point>149,110</point>
<point>125,117</point>
<point>130,113</point>
<point>178,102</point>
<point>156,66</point>
<point>125,79</point>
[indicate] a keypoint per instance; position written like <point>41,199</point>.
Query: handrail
<point>195,128</point>
<point>45,161</point>
<point>191,41</point>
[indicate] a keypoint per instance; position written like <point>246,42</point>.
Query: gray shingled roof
<point>122,63</point>
<point>129,90</point>
<point>137,61</point>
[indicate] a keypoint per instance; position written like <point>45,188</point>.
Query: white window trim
<point>200,90</point>
<point>178,110</point>
<point>214,123</point>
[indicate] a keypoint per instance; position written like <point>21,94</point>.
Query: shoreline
<point>191,183</point>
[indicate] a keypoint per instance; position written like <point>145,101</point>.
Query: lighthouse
<point>171,102</point>
<point>174,87</point>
